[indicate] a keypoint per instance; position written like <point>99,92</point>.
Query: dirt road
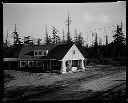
<point>101,88</point>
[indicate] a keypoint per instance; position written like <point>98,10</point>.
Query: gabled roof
<point>83,51</point>
<point>58,52</point>
<point>27,51</point>
<point>54,51</point>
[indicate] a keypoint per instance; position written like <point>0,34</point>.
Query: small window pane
<point>35,53</point>
<point>22,63</point>
<point>44,53</point>
<point>31,63</point>
<point>40,53</point>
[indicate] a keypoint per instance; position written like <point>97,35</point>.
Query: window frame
<point>40,53</point>
<point>29,64</point>
<point>39,62</point>
<point>24,62</point>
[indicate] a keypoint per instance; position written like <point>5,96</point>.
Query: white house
<point>62,58</point>
<point>73,60</point>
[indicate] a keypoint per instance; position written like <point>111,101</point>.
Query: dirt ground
<point>25,82</point>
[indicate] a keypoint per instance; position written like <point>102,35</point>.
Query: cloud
<point>91,18</point>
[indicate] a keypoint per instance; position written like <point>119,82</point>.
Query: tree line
<point>115,49</point>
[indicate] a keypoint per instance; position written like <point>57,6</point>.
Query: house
<point>62,58</point>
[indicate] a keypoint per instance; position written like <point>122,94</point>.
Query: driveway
<point>84,89</point>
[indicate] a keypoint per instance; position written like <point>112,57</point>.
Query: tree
<point>79,40</point>
<point>16,37</point>
<point>118,36</point>
<point>119,41</point>
<point>28,41</point>
<point>47,38</point>
<point>68,22</point>
<point>38,41</point>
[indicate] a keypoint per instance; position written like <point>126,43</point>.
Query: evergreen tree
<point>38,41</point>
<point>118,36</point>
<point>28,41</point>
<point>119,41</point>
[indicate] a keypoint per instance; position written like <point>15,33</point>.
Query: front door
<point>69,66</point>
<point>80,64</point>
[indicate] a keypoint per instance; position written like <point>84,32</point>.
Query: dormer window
<point>35,53</point>
<point>40,52</point>
<point>45,53</point>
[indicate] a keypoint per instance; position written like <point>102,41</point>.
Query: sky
<point>32,18</point>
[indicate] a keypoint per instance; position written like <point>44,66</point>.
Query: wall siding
<point>71,56</point>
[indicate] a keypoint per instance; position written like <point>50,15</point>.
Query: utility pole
<point>68,22</point>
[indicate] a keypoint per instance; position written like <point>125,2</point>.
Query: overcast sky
<point>86,17</point>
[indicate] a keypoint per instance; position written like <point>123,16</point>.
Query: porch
<point>40,65</point>
<point>73,65</point>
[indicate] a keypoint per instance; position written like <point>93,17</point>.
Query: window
<point>73,51</point>
<point>39,63</point>
<point>35,53</point>
<point>31,63</point>
<point>45,54</point>
<point>40,53</point>
<point>74,63</point>
<point>23,63</point>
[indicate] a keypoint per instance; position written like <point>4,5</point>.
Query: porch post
<point>50,65</point>
<point>83,65</point>
<point>63,69</point>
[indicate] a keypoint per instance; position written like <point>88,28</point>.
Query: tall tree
<point>80,40</point>
<point>28,40</point>
<point>119,40</point>
<point>38,41</point>
<point>56,39</point>
<point>47,38</point>
<point>16,37</point>
<point>119,36</point>
<point>68,22</point>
